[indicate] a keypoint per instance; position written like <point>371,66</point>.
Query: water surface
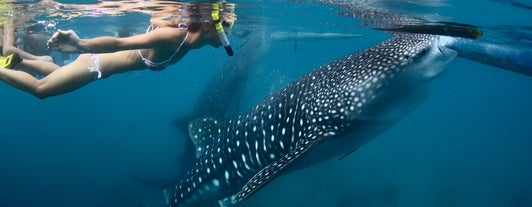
<point>469,144</point>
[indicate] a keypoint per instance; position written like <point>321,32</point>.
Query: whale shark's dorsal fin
<point>202,133</point>
<point>271,171</point>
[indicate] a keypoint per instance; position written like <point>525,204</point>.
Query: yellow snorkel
<point>220,28</point>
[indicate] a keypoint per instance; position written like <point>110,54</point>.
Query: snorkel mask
<point>222,28</point>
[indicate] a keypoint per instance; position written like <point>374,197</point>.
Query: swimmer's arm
<point>68,41</point>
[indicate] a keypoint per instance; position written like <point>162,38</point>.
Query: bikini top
<point>158,66</point>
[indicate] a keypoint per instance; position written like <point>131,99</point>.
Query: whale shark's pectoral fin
<point>274,169</point>
<point>202,133</point>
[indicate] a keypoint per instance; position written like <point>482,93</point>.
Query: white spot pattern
<point>323,102</point>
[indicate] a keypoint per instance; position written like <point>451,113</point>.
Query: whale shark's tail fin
<point>509,58</point>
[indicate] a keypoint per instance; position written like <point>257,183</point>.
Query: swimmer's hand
<point>65,41</point>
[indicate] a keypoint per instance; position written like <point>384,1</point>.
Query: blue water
<point>111,143</point>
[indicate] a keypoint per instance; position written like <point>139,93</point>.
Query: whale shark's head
<point>431,60</point>
<point>388,80</point>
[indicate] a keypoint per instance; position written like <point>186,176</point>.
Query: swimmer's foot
<point>45,58</point>
<point>10,61</point>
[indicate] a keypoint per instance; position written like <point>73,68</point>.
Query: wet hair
<point>196,14</point>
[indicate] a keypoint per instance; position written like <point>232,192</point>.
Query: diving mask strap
<point>220,29</point>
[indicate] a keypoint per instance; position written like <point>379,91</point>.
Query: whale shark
<point>327,113</point>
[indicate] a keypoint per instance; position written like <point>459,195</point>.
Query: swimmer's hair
<point>196,14</point>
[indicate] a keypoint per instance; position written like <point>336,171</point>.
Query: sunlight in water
<point>120,141</point>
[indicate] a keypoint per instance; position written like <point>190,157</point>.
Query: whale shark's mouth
<point>440,56</point>
<point>433,59</point>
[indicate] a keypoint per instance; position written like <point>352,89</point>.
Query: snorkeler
<point>164,43</point>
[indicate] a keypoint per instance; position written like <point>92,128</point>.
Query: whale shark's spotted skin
<point>356,96</point>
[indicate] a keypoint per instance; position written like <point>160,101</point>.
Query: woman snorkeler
<point>165,43</point>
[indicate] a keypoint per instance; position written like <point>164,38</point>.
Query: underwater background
<point>112,143</point>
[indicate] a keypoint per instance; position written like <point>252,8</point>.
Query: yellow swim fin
<point>10,61</point>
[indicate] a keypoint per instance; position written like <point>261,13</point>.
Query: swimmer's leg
<point>8,49</point>
<point>62,80</point>
<point>38,67</point>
